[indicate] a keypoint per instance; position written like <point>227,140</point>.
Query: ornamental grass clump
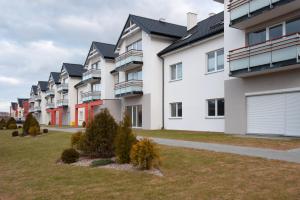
<point>32,123</point>
<point>75,139</point>
<point>69,156</point>
<point>11,123</point>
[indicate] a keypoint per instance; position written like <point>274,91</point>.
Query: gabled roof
<point>156,27</point>
<point>21,101</point>
<point>204,29</point>
<point>43,85</point>
<point>73,70</point>
<point>34,89</point>
<point>14,105</point>
<point>55,76</point>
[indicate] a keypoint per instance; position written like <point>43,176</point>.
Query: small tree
<point>2,124</point>
<point>30,122</point>
<point>100,135</point>
<point>125,139</point>
<point>11,123</point>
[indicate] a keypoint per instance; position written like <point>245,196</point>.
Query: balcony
<point>275,55</point>
<point>38,98</point>
<point>32,99</point>
<point>31,109</point>
<point>129,60</point>
<point>50,93</point>
<point>247,13</point>
<point>91,75</point>
<point>50,105</point>
<point>63,87</point>
<point>62,103</point>
<point>91,96</point>
<point>37,109</point>
<point>129,88</point>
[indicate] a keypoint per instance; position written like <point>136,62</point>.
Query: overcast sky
<point>37,36</point>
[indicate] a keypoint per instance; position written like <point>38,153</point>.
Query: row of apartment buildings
<point>19,109</point>
<point>235,72</point>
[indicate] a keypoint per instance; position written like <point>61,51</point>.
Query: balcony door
<point>135,113</point>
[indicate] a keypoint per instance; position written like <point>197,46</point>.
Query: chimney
<point>191,20</point>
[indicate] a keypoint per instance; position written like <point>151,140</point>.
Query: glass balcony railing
<point>62,87</point>
<point>37,109</point>
<point>91,74</point>
<point>38,98</point>
<point>50,105</point>
<point>50,93</point>
<point>133,57</point>
<point>129,88</point>
<point>90,96</point>
<point>62,102</point>
<point>31,109</point>
<point>281,52</point>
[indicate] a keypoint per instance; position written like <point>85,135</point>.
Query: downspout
<point>163,93</point>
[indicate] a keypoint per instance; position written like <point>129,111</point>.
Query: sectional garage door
<point>276,114</point>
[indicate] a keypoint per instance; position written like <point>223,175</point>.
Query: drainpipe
<point>163,93</point>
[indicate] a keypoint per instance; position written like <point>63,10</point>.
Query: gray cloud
<point>36,36</point>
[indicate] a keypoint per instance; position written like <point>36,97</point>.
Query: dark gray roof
<point>43,85</point>
<point>204,29</point>
<point>21,101</point>
<point>34,89</point>
<point>156,27</point>
<point>74,70</point>
<point>55,76</point>
<point>107,50</point>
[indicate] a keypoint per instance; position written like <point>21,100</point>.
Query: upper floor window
<point>96,65</point>
<point>176,72</point>
<point>136,75</point>
<point>257,37</point>
<point>96,87</point>
<point>293,26</point>
<point>135,46</point>
<point>215,60</point>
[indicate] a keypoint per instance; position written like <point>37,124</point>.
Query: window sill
<point>175,80</point>
<point>216,117</point>
<point>214,72</point>
<point>175,118</point>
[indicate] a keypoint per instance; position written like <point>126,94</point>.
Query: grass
<point>28,171</point>
<point>279,144</point>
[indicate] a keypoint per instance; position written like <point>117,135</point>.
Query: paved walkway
<point>289,155</point>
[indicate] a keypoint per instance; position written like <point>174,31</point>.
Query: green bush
<point>12,126</point>
<point>2,124</point>
<point>15,133</point>
<point>124,141</point>
<point>98,141</point>
<point>49,123</point>
<point>30,122</point>
<point>69,156</point>
<point>34,131</point>
<point>83,124</point>
<point>102,162</point>
<point>11,122</point>
<point>145,155</point>
<point>75,139</point>
<point>45,130</point>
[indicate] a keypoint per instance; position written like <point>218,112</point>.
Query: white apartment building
<point>138,69</point>
<point>262,95</point>
<point>96,89</point>
<point>33,94</point>
<point>51,98</point>
<point>40,102</point>
<point>193,74</point>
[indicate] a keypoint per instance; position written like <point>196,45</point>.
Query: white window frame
<point>215,61</point>
<point>176,72</point>
<point>136,115</point>
<point>216,116</point>
<point>176,108</point>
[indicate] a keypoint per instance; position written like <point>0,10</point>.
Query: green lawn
<point>28,171</point>
<point>280,144</point>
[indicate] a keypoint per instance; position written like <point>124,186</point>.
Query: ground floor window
<point>215,108</point>
<point>135,113</point>
<point>176,109</point>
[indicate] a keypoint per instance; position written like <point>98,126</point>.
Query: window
<point>176,109</point>
<point>215,61</point>
<point>135,46</point>
<point>95,65</point>
<point>275,32</point>
<point>81,115</point>
<point>135,113</point>
<point>176,72</point>
<point>293,26</point>
<point>215,108</point>
<point>96,87</point>
<point>257,37</point>
<point>135,75</point>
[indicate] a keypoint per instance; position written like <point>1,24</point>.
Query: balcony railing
<point>273,54</point>
<point>32,99</point>
<point>50,93</point>
<point>62,102</point>
<point>91,96</point>
<point>91,74</point>
<point>129,88</point>
<point>50,105</point>
<point>134,57</point>
<point>31,109</point>
<point>37,109</point>
<point>62,87</point>
<point>38,98</point>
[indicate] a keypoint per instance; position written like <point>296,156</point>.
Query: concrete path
<point>289,155</point>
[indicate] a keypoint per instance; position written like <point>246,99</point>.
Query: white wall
<point>195,88</point>
<point>72,95</point>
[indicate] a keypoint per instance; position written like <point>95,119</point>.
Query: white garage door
<point>277,114</point>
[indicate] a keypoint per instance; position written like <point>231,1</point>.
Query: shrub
<point>49,123</point>
<point>30,122</point>
<point>75,139</point>
<point>2,124</point>
<point>83,124</point>
<point>12,126</point>
<point>15,133</point>
<point>34,131</point>
<point>12,122</point>
<point>19,126</point>
<point>98,141</point>
<point>124,141</point>
<point>45,130</point>
<point>144,154</point>
<point>69,156</point>
<point>101,162</point>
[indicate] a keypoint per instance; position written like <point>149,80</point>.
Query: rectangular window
<point>275,32</point>
<point>96,87</point>
<point>135,113</point>
<point>257,37</point>
<point>176,72</point>
<point>95,65</point>
<point>293,26</point>
<point>215,61</point>
<point>215,108</point>
<point>176,109</point>
<point>135,46</point>
<point>134,75</point>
